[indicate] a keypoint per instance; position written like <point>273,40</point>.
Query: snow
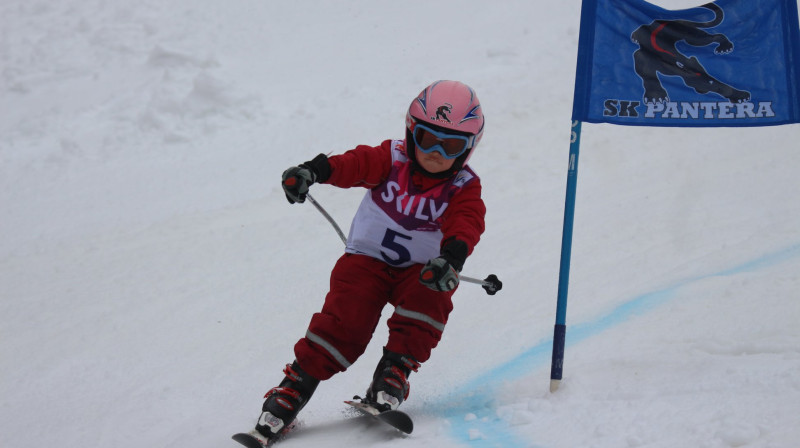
<point>154,279</point>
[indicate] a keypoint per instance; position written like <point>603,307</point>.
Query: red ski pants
<point>361,286</point>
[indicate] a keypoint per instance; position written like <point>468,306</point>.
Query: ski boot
<point>284,402</point>
<point>389,385</point>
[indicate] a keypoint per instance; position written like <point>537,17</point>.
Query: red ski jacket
<point>368,166</point>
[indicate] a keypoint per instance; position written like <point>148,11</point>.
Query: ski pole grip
<point>492,284</point>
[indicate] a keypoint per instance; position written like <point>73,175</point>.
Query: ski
<point>255,439</point>
<point>397,419</point>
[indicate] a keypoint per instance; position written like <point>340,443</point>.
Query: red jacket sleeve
<point>363,166</point>
<point>464,217</point>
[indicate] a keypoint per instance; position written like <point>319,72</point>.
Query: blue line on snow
<point>471,409</point>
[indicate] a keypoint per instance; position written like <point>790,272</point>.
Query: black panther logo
<point>442,111</point>
<point>657,53</point>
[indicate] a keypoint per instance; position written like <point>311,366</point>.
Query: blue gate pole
<point>560,332</point>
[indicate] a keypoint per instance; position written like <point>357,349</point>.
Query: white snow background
<point>154,279</point>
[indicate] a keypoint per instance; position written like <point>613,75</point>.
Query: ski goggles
<point>449,146</point>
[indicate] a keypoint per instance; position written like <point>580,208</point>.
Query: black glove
<point>441,273</point>
<point>296,180</point>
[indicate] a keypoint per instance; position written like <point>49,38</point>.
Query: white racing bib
<point>398,223</point>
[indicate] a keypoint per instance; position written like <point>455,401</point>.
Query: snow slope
<point>153,278</point>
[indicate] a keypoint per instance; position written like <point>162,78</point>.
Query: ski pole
<point>491,284</point>
<point>328,217</point>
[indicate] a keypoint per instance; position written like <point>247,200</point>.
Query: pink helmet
<point>449,106</point>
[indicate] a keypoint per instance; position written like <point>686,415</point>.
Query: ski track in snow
<point>489,429</point>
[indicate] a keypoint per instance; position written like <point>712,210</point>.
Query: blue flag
<point>726,63</point>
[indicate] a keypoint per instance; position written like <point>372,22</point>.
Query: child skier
<point>419,220</point>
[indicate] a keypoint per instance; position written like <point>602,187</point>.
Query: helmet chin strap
<point>442,175</point>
